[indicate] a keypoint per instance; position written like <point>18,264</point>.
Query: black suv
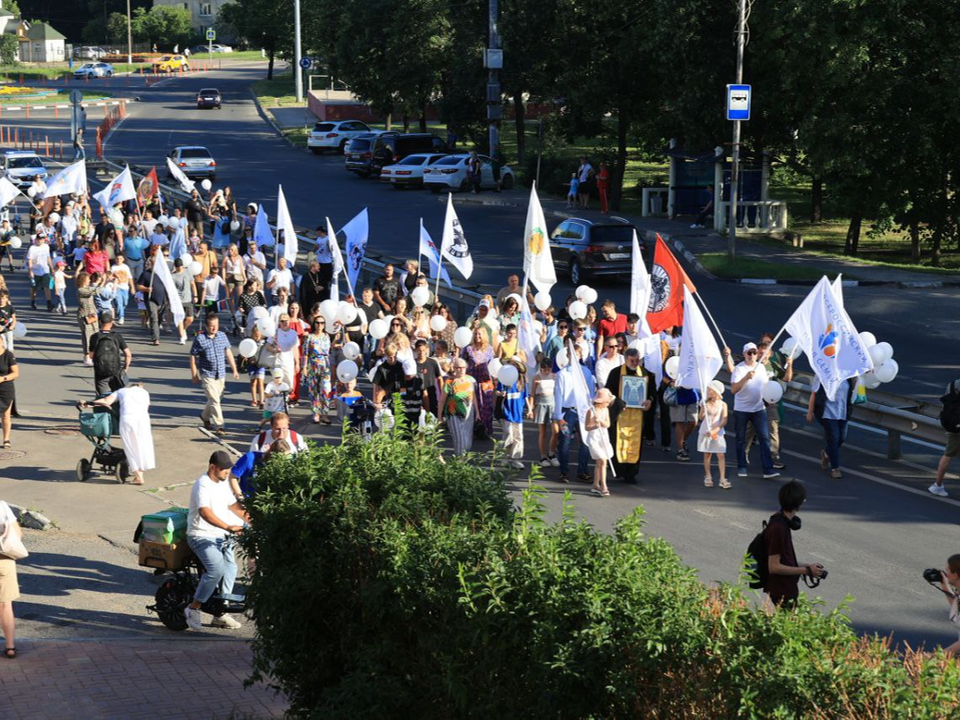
<point>359,153</point>
<point>586,249</point>
<point>393,148</point>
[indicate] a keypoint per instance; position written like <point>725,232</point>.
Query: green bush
<point>391,584</point>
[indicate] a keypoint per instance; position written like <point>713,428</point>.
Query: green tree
<point>8,49</point>
<point>117,28</point>
<point>264,24</point>
<point>162,25</point>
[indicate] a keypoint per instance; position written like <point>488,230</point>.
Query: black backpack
<point>106,358</point>
<point>950,412</point>
<point>757,563</point>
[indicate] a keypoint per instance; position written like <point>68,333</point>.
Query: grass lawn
<point>58,98</point>
<point>56,71</point>
<point>297,136</point>
<point>720,265</point>
<point>277,92</point>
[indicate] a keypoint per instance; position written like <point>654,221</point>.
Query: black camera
<point>932,575</point>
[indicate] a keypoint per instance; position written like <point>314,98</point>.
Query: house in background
<point>8,21</point>
<point>203,13</point>
<point>40,43</point>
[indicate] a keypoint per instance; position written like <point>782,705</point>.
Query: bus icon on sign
<point>738,102</point>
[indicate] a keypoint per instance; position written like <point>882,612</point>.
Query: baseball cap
<point>749,346</point>
<point>105,317</point>
<point>222,459</point>
<point>277,372</point>
<point>409,367</point>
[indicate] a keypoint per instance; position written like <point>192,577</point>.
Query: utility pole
<point>297,53</point>
<point>735,166</point>
<point>494,62</point>
<point>129,36</point>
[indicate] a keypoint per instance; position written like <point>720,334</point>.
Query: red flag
<point>667,280</point>
<point>148,187</point>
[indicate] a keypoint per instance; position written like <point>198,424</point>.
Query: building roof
<point>6,13</point>
<point>42,31</point>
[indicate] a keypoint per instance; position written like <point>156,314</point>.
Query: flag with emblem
<point>537,258</point>
<point>291,245</point>
<point>667,280</point>
<point>186,184</point>
<point>357,232</point>
<point>8,192</point>
<point>117,190</point>
<point>453,244</point>
<point>828,338</point>
<point>433,257</point>
<point>72,179</point>
<point>148,186</point>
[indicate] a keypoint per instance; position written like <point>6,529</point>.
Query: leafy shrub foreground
<point>389,584</point>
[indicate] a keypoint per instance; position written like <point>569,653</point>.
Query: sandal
<point>325,420</point>
<point>725,484</point>
<point>605,493</point>
<point>708,482</point>
<point>10,653</point>
<point>6,445</point>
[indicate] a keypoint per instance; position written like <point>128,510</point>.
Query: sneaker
<point>771,475</point>
<point>665,448</point>
<point>596,491</point>
<point>553,460</point>
<point>683,456</point>
<point>938,490</point>
<point>183,341</point>
<point>778,465</point>
<point>742,472</point>
<point>194,619</point>
<point>564,478</point>
<point>694,226</point>
<point>545,462</point>
<point>584,478</point>
<point>87,361</point>
<point>836,474</point>
<point>517,464</point>
<point>227,622</point>
<point>120,321</point>
<point>824,460</point>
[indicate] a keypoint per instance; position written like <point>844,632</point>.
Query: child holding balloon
<point>513,403</point>
<point>711,440</point>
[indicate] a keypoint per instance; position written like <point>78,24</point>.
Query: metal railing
<point>754,216</point>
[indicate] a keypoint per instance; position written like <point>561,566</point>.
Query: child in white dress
<point>711,441</point>
<point>598,440</point>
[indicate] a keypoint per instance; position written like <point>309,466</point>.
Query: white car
<point>334,135</point>
<point>409,171</point>
<point>93,70</point>
<point>450,173</point>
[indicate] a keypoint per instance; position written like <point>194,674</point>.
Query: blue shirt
<point>133,247</point>
<point>244,470</point>
<point>210,353</point>
<point>514,402</point>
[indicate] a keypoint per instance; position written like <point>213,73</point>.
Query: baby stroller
<point>98,424</point>
<point>362,413</point>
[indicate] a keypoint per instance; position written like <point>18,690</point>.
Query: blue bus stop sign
<point>305,63</point>
<point>738,102</point>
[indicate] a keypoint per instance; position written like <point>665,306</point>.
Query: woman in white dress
<point>711,441</point>
<point>135,428</point>
<point>598,439</point>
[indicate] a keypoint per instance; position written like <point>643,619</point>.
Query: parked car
<point>335,135</point>
<point>22,167</point>
<point>396,146</point>
<point>216,47</point>
<point>93,70</point>
<point>171,63</point>
<point>587,249</point>
<point>195,161</point>
<point>451,173</point>
<point>358,155</point>
<point>90,52</point>
<point>409,171</point>
<point>209,98</point>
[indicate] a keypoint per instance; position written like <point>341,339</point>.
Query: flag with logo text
<point>537,258</point>
<point>72,179</point>
<point>453,244</point>
<point>357,232</point>
<point>117,190</point>
<point>432,254</point>
<point>700,358</point>
<point>667,280</point>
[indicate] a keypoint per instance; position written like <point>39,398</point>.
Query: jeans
<point>136,267</point>
<point>218,565</point>
<point>759,421</point>
<point>156,316</point>
<point>834,433</point>
<point>123,297</point>
<point>570,428</point>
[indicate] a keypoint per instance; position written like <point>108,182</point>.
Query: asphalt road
<point>875,530</point>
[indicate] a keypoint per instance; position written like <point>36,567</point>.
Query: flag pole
<point>707,311</point>
<point>436,292</point>
<point>346,270</point>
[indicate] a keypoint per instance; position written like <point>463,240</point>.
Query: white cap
<point>409,367</point>
<point>749,346</point>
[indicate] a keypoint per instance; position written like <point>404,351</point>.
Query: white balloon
<point>206,184</point>
<point>235,225</point>
<point>438,323</point>
<point>347,370</point>
<point>379,329</point>
<point>196,268</point>
<point>494,367</point>
<point>888,371</point>
<point>247,348</point>
<point>31,191</point>
<point>868,339</point>
<point>463,337</point>
<point>420,296</point>
<point>876,354</point>
<point>561,358</point>
<point>163,220</point>
<point>347,313</point>
<point>542,300</point>
<point>671,366</point>
<point>19,331</point>
<point>537,327</point>
<point>578,310</point>
<point>586,294</point>
<point>16,243</point>
<point>351,351</point>
<point>55,217</point>
<point>870,381</point>
<point>329,309</point>
<point>259,312</point>
<point>788,345</point>
<point>267,327</point>
<point>508,375</point>
<point>886,350</point>
<point>186,259</point>
<point>772,392</point>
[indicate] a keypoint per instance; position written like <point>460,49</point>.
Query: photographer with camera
<point>949,585</point>
<point>782,583</point>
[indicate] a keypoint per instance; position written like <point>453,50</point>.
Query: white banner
<point>453,244</point>
<point>117,190</point>
<point>72,179</point>
<point>161,272</point>
<point>8,192</point>
<point>262,234</point>
<point>700,357</point>
<point>357,232</point>
<point>428,249</point>
<point>291,245</point>
<point>537,258</point>
<point>186,184</point>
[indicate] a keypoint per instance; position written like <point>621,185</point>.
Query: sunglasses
<point>562,327</point>
<point>750,352</point>
<point>613,345</point>
<point>396,324</point>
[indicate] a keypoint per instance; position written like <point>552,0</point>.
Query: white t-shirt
<point>273,393</point>
<point>122,271</point>
<point>253,271</point>
<point>284,278</point>
<point>604,366</point>
<point>149,225</point>
<point>38,257</point>
<point>216,496</point>
<point>211,288</point>
<point>750,397</point>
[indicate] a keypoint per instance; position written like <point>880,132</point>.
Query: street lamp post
<point>129,36</point>
<point>297,52</point>
<point>735,162</point>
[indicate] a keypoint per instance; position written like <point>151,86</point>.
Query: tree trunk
<point>914,240</point>
<point>816,199</point>
<point>406,123</point>
<point>937,244</point>
<point>389,121</point>
<point>852,243</point>
<point>271,53</point>
<point>423,116</point>
<point>616,181</point>
<point>519,118</point>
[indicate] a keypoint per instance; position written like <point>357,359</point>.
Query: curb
<point>58,106</point>
<point>473,200</point>
<point>268,117</point>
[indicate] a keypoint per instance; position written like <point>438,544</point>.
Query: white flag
<point>700,358</point>
<point>827,336</point>
<point>640,288</point>
<point>262,234</point>
<point>528,339</point>
<point>117,190</point>
<point>537,258</point>
<point>72,179</point>
<point>337,262</point>
<point>433,257</point>
<point>357,232</point>
<point>291,245</point>
<point>453,244</point>
<point>838,288</point>
<point>161,272</point>
<point>8,191</point>
<point>186,184</point>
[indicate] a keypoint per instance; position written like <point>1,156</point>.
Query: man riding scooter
<point>214,514</point>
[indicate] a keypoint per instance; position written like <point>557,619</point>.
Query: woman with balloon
<point>316,370</point>
<point>514,404</point>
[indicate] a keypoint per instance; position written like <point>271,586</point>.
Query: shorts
<point>543,413</point>
<point>188,310</point>
<point>9,587</point>
<point>257,372</point>
<point>267,414</point>
<point>953,445</point>
<point>683,413</point>
<point>233,282</point>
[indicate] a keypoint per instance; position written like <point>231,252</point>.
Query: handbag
<point>498,408</point>
<point>11,544</point>
<point>670,396</point>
